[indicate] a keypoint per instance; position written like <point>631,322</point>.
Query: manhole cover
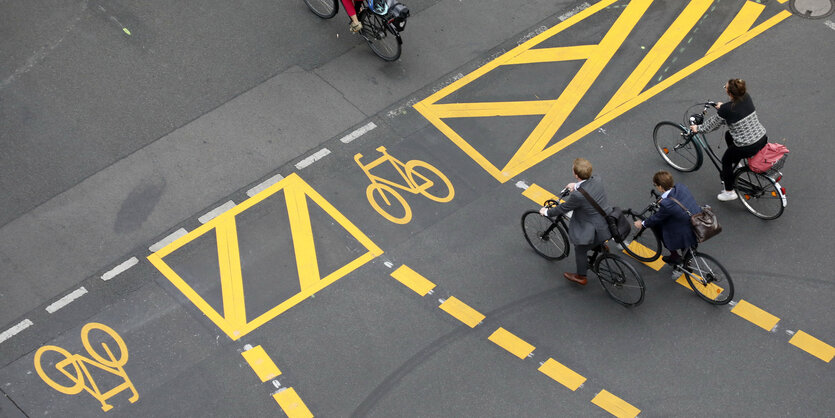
<point>812,9</point>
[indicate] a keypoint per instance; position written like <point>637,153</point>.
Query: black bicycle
<point>549,238</point>
<point>642,243</point>
<point>382,21</point>
<point>684,150</point>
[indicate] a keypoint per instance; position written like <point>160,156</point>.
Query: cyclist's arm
<point>713,123</point>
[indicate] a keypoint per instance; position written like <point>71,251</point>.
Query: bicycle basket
<point>774,171</point>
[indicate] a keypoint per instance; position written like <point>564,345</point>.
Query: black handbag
<point>619,226</point>
<point>704,224</point>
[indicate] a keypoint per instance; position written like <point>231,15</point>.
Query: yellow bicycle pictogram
<point>79,375</point>
<point>420,177</point>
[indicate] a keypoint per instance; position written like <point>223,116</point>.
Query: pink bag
<point>767,157</point>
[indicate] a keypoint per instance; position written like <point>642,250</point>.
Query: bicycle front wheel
<point>676,147</point>
<point>709,279</point>
<point>432,184</point>
<point>325,9</point>
<point>546,237</point>
<point>642,243</point>
<point>760,194</point>
<point>620,280</point>
<point>380,37</point>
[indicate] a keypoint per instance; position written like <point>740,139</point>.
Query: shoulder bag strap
<point>593,203</point>
<point>682,206</point>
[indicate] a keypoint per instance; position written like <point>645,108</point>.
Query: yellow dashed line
<point>292,405</point>
<point>563,375</point>
<point>413,280</point>
<point>614,405</point>
<point>261,363</point>
<point>538,194</point>
<point>755,315</point>
<point>462,312</point>
<point>638,248</point>
<point>515,345</point>
<point>711,290</point>
<point>813,346</point>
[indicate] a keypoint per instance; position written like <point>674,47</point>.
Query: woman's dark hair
<point>736,88</point>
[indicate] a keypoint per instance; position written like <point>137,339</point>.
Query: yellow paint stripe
<point>413,280</point>
<point>292,405</point>
<point>487,109</point>
<point>261,363</point>
<point>510,342</point>
<point>813,346</point>
<point>614,405</point>
<point>231,280</point>
<point>462,312</point>
<point>782,1</point>
<point>302,232</point>
<point>563,375</point>
<point>643,251</point>
<point>739,25</point>
<point>657,56</point>
<point>711,290</point>
<point>538,194</point>
<point>566,53</point>
<point>755,315</point>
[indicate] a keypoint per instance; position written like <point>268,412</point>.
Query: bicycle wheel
<point>76,378</point>
<point>675,147</point>
<point>111,359</point>
<point>546,237</point>
<point>380,37</point>
<point>642,243</point>
<point>709,279</point>
<point>620,280</point>
<point>760,194</point>
<point>325,9</point>
<point>393,207</point>
<point>439,191</point>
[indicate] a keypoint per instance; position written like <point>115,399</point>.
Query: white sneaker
<point>727,196</point>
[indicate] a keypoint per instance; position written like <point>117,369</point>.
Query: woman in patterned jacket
<point>745,135</point>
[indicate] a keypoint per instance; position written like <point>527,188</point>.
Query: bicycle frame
<point>410,187</point>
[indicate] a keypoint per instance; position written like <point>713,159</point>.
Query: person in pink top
<point>355,26</point>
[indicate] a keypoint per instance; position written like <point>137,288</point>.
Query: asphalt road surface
<point>236,209</point>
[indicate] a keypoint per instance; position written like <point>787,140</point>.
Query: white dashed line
<point>264,185</point>
<point>522,185</point>
<point>11,332</point>
<point>830,24</point>
<point>64,301</point>
<point>312,159</point>
<point>168,240</point>
<point>358,133</point>
<point>574,11</point>
<point>120,268</point>
<point>216,212</point>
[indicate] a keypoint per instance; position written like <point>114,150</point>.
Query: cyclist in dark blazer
<point>671,220</point>
<point>587,228</point>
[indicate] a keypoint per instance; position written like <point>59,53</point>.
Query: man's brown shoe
<point>576,278</point>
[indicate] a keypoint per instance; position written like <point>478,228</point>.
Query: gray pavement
<point>366,345</point>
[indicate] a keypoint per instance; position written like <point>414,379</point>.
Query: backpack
<point>767,157</point>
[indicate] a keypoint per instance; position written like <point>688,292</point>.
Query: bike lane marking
<point>515,345</point>
<point>291,403</point>
<point>16,329</point>
<point>633,91</point>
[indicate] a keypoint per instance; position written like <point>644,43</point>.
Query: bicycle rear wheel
<point>546,237</point>
<point>676,147</point>
<point>760,194</point>
<point>325,9</point>
<point>642,243</point>
<point>620,280</point>
<point>380,37</point>
<point>709,279</point>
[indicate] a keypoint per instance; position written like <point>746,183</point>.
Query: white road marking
<point>264,185</point>
<point>216,212</point>
<point>358,133</point>
<point>64,301</point>
<point>312,159</point>
<point>574,11</point>
<point>168,240</point>
<point>120,268</point>
<point>830,24</point>
<point>522,185</point>
<point>11,332</point>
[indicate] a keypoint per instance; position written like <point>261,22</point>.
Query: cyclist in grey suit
<point>587,228</point>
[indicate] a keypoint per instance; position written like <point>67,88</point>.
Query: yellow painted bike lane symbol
<point>419,176</point>
<point>74,366</point>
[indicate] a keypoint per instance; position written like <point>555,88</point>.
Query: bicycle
<point>381,23</point>
<point>549,238</point>
<point>418,176</point>
<point>760,193</point>
<point>643,243</point>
